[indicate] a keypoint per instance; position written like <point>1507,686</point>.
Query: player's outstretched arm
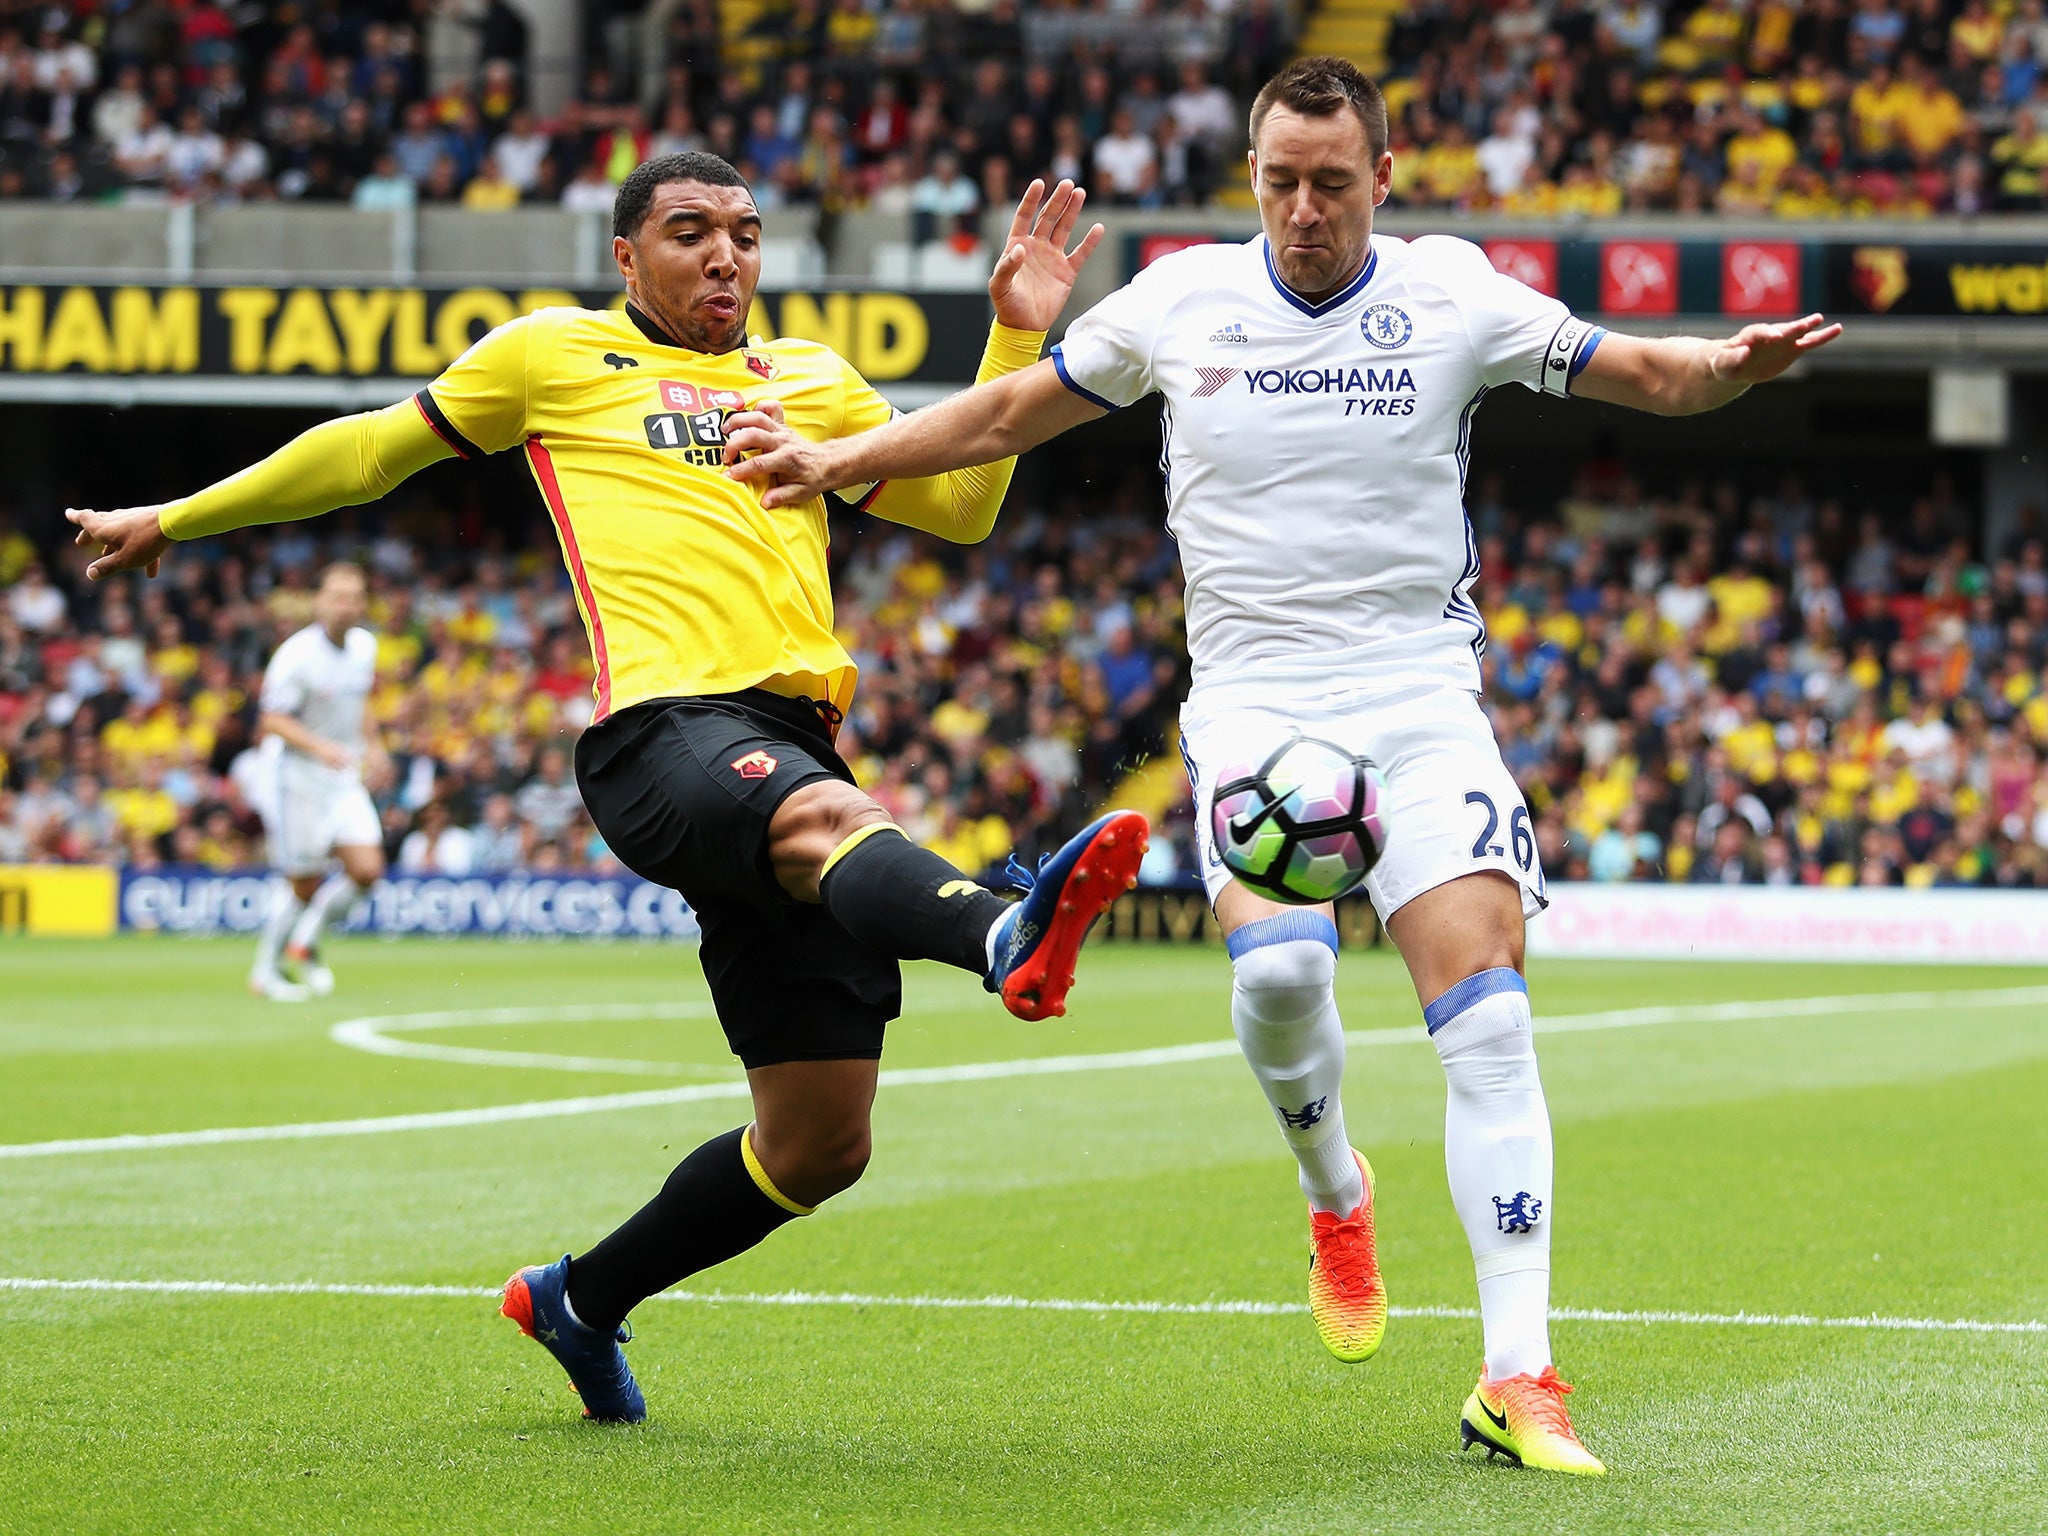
<point>1017,403</point>
<point>993,421</point>
<point>1682,375</point>
<point>339,463</point>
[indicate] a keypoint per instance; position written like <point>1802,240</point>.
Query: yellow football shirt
<point>687,585</point>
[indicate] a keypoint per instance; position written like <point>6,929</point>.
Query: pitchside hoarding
<point>316,331</point>
<point>519,904</point>
<point>1748,923</point>
<point>1756,279</point>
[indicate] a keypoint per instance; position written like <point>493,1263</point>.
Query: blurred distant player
<point>305,779</point>
<point>1319,385</point>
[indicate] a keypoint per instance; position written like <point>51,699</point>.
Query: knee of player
<point>834,1164</point>
<point>817,823</point>
<point>828,1160</point>
<point>1290,955</point>
<point>1485,1014</point>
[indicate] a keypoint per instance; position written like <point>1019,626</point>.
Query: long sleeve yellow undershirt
<point>354,459</point>
<point>962,504</point>
<point>339,463</point>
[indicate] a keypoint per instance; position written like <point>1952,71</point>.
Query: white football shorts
<point>311,811</point>
<point>1450,807</point>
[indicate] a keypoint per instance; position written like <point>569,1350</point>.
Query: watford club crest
<point>755,765</point>
<point>762,363</point>
<point>1877,276</point>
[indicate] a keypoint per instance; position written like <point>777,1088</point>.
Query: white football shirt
<point>1315,454</point>
<point>325,686</point>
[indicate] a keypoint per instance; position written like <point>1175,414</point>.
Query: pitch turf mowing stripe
<point>1030,1304</point>
<point>989,1071</point>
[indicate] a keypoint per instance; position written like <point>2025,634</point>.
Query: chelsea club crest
<point>1386,326</point>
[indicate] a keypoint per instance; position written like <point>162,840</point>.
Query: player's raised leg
<point>832,843</point>
<point>1463,942</point>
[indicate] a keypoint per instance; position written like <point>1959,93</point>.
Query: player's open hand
<point>1759,353</point>
<point>128,540</point>
<point>1036,271</point>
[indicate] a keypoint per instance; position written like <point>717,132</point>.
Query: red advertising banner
<point>1760,277</point>
<point>1527,261</point>
<point>1152,247</point>
<point>1639,277</point>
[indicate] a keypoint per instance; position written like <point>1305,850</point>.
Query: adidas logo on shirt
<point>1232,334</point>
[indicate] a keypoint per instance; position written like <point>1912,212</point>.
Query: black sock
<point>902,901</point>
<point>709,1210</point>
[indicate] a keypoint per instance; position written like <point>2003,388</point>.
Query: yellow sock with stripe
<point>718,1202</point>
<point>901,900</point>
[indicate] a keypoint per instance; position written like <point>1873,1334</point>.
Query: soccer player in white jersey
<point>1319,385</point>
<point>306,781</point>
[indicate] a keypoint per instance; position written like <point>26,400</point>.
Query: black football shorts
<point>682,791</point>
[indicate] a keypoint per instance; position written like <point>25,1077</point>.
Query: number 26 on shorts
<point>1524,841</point>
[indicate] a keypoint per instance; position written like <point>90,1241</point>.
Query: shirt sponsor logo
<point>755,765</point>
<point>1329,381</point>
<point>677,396</point>
<point>1213,379</point>
<point>1386,326</point>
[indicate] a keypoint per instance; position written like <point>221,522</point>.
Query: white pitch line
<point>367,1034</point>
<point>1032,1304</point>
<point>991,1071</point>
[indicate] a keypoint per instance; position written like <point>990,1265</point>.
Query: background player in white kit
<point>305,778</point>
<point>1319,384</point>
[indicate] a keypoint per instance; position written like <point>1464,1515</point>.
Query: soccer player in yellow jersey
<point>709,764</point>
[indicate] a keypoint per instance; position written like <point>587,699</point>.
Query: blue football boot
<point>1040,937</point>
<point>536,1299</point>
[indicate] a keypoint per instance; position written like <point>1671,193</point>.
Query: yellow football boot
<point>1345,1294</point>
<point>1523,1419</point>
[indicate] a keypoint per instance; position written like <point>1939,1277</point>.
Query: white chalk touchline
<point>1031,1304</point>
<point>990,1071</point>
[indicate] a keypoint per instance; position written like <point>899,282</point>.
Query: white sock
<point>1284,1010</point>
<point>1497,1152</point>
<point>285,908</point>
<point>337,887</point>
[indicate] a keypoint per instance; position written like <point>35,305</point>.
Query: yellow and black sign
<point>1938,278</point>
<point>413,333</point>
<point>57,900</point>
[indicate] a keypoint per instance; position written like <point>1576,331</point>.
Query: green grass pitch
<point>1879,1159</point>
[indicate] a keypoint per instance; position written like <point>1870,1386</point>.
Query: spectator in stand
<point>1125,162</point>
<point>589,192</point>
<point>942,197</point>
<point>386,189</point>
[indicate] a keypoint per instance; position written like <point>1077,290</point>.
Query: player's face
<point>1317,185</point>
<point>338,605</point>
<point>694,265</point>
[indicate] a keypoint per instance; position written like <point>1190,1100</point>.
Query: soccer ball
<point>1303,826</point>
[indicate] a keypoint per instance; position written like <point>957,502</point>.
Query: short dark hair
<point>636,192</point>
<point>1319,86</point>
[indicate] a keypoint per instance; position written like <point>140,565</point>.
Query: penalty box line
<point>854,1299</point>
<point>992,1071</point>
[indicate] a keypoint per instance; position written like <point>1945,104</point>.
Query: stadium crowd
<point>921,107</point>
<point>1690,685</point>
<point>1798,108</point>
<point>1002,694</point>
<point>1801,108</point>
